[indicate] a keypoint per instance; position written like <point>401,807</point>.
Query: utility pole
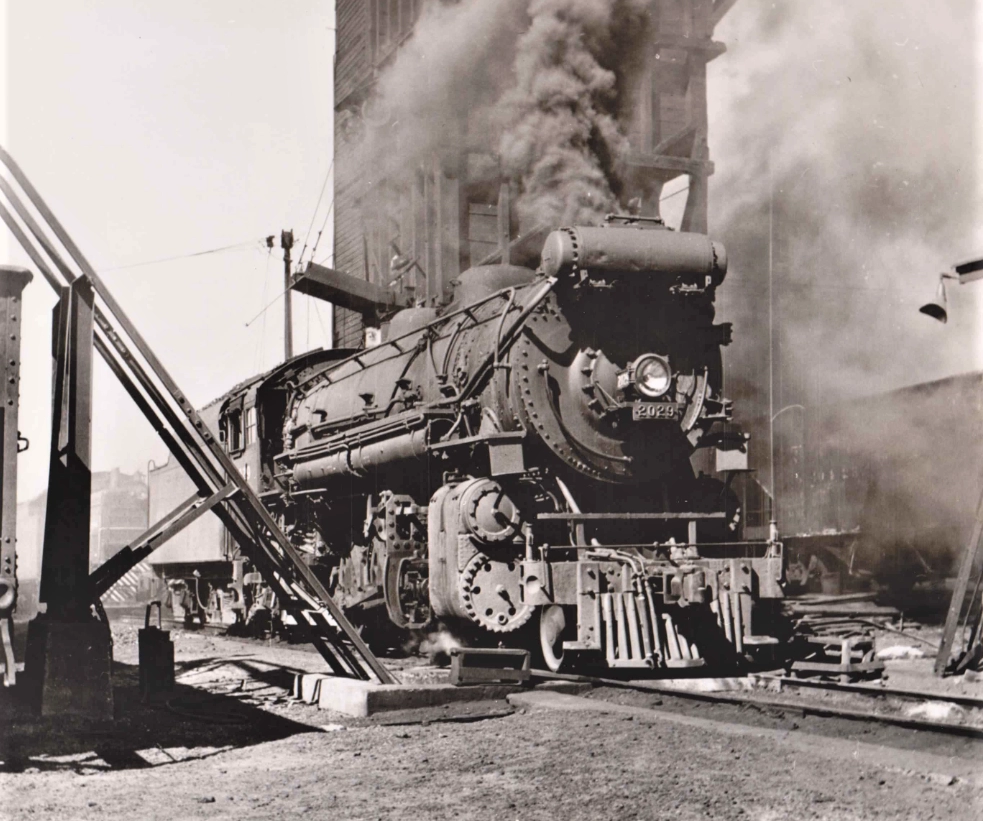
<point>286,243</point>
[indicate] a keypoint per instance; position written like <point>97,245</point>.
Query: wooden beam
<point>710,47</point>
<point>344,290</point>
<point>447,205</point>
<point>666,162</point>
<point>504,214</point>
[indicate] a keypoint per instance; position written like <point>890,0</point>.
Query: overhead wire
<point>303,250</point>
<point>252,242</point>
<point>268,305</point>
<point>317,205</point>
<point>324,225</point>
<point>674,193</point>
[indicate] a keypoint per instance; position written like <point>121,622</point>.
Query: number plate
<point>655,410</point>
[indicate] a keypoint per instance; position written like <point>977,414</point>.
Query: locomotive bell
<point>627,252</point>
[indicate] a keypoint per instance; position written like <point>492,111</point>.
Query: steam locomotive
<point>515,466</point>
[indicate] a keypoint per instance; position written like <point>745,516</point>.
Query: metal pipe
<point>738,622</point>
<point>620,618</point>
<point>607,612</point>
<point>632,615</point>
<point>653,618</point>
<point>357,461</point>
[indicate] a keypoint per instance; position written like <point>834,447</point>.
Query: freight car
<point>881,490</point>
<point>518,458</point>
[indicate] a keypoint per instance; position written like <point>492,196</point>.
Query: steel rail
<point>803,707</point>
<point>873,690</point>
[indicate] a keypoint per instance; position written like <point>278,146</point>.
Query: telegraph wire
<point>317,205</point>
<point>257,242</point>
<point>323,226</point>
<point>674,194</point>
<point>268,305</point>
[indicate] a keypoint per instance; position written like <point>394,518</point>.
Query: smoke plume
<point>861,118</point>
<point>437,646</point>
<point>862,115</point>
<point>548,77</point>
<point>561,133</point>
<point>452,69</point>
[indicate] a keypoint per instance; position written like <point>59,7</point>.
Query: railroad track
<point>756,698</point>
<point>212,628</point>
<point>888,700</point>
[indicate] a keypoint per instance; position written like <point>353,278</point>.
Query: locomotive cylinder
<point>613,252</point>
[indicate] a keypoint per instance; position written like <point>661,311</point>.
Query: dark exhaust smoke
<point>550,78</point>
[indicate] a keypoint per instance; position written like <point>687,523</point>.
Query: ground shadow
<point>186,723</point>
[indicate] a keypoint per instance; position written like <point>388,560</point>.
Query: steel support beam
<point>69,651</point>
<point>12,284</point>
<point>65,552</point>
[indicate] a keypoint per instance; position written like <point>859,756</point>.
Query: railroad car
<point>881,490</point>
<point>516,466</point>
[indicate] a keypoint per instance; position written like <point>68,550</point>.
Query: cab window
<point>234,431</point>
<point>250,426</point>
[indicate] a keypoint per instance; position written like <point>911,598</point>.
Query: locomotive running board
<point>188,437</point>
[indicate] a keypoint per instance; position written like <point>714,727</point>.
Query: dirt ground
<point>234,745</point>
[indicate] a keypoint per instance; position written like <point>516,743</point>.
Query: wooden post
<point>504,223</point>
<point>448,231</point>
<point>954,616</point>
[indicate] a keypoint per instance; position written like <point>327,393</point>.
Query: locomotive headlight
<point>652,375</point>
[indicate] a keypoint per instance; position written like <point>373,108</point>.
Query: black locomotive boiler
<point>520,461</point>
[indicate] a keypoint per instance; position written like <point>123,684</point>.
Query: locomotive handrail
<point>435,323</point>
<point>763,543</point>
<point>502,342</point>
<point>480,372</point>
<point>377,428</point>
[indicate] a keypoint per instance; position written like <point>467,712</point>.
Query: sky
<point>156,130</point>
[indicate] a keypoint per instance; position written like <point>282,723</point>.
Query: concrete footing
<point>364,698</point>
<point>68,668</point>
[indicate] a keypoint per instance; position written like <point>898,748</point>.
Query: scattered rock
<point>934,710</point>
<point>900,651</point>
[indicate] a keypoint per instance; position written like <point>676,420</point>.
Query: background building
<point>119,515</point>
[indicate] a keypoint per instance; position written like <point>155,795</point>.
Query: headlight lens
<point>652,376</point>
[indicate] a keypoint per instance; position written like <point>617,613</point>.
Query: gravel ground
<point>243,750</point>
